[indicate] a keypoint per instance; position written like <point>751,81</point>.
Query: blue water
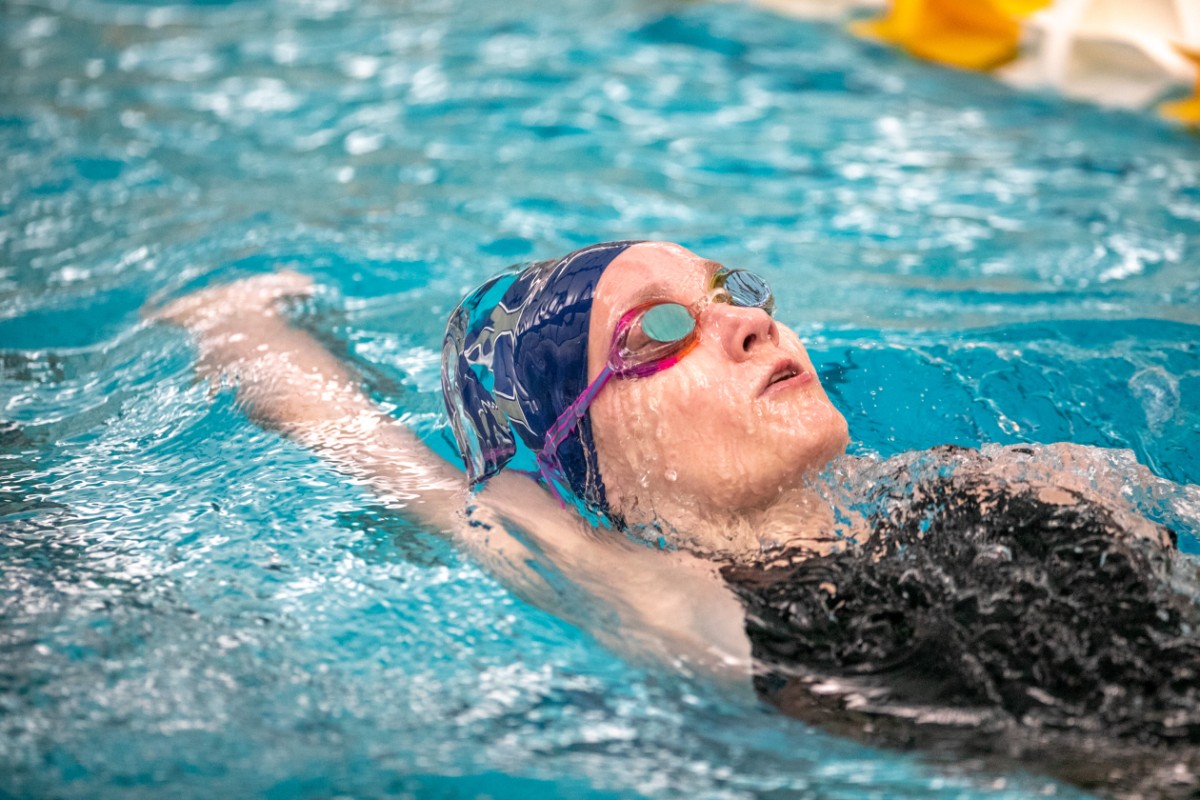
<point>194,607</point>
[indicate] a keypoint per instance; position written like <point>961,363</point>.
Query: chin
<point>819,438</point>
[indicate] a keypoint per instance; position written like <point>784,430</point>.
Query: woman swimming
<point>647,390</point>
<point>650,384</point>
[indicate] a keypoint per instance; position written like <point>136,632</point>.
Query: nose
<point>742,331</point>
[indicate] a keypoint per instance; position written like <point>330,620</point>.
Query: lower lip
<point>801,379</point>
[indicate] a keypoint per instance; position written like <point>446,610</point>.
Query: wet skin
<point>740,421</point>
<point>699,446</point>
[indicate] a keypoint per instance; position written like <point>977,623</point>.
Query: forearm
<point>282,376</point>
<point>286,380</point>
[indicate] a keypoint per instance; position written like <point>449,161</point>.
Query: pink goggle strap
<point>547,460</point>
<point>618,367</point>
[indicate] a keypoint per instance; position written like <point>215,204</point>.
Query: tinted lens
<point>667,322</point>
<point>748,290</point>
<point>650,339</point>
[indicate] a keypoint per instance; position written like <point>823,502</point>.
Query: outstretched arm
<point>287,381</point>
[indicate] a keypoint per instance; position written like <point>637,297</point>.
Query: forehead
<point>649,271</point>
<point>644,272</point>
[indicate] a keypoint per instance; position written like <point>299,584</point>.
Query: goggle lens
<point>746,289</point>
<point>668,322</point>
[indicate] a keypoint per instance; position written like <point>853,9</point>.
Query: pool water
<point>195,607</point>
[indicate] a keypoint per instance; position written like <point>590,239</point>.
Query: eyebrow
<point>651,291</point>
<point>658,289</point>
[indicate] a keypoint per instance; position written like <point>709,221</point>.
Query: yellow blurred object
<point>973,34</point>
<point>1187,110</point>
<point>1115,53</point>
<point>1021,8</point>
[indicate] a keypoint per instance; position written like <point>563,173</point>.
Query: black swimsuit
<point>983,620</point>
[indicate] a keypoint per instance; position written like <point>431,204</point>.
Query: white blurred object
<point>820,9</point>
<point>1121,53</point>
<point>1113,52</point>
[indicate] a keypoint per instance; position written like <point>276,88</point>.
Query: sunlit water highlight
<point>191,602</point>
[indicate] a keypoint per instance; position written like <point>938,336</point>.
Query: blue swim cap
<point>515,356</point>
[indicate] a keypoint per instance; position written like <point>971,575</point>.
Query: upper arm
<point>1064,473</point>
<point>667,604</point>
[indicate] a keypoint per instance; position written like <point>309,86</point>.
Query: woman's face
<point>725,428</point>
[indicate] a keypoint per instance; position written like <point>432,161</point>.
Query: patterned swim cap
<point>514,358</point>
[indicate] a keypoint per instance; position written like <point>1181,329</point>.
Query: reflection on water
<point>189,601</point>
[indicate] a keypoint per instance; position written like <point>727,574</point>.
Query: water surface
<point>193,605</point>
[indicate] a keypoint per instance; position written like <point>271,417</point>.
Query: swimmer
<point>633,418</point>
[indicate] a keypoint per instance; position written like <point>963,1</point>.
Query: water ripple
<point>188,601</point>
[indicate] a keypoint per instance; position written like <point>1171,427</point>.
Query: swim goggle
<point>648,339</point>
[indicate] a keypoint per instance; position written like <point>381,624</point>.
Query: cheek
<point>640,424</point>
<point>685,432</point>
<point>631,423</point>
<point>698,431</point>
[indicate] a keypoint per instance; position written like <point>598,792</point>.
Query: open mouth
<point>783,373</point>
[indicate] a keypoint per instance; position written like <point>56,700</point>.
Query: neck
<point>797,516</point>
